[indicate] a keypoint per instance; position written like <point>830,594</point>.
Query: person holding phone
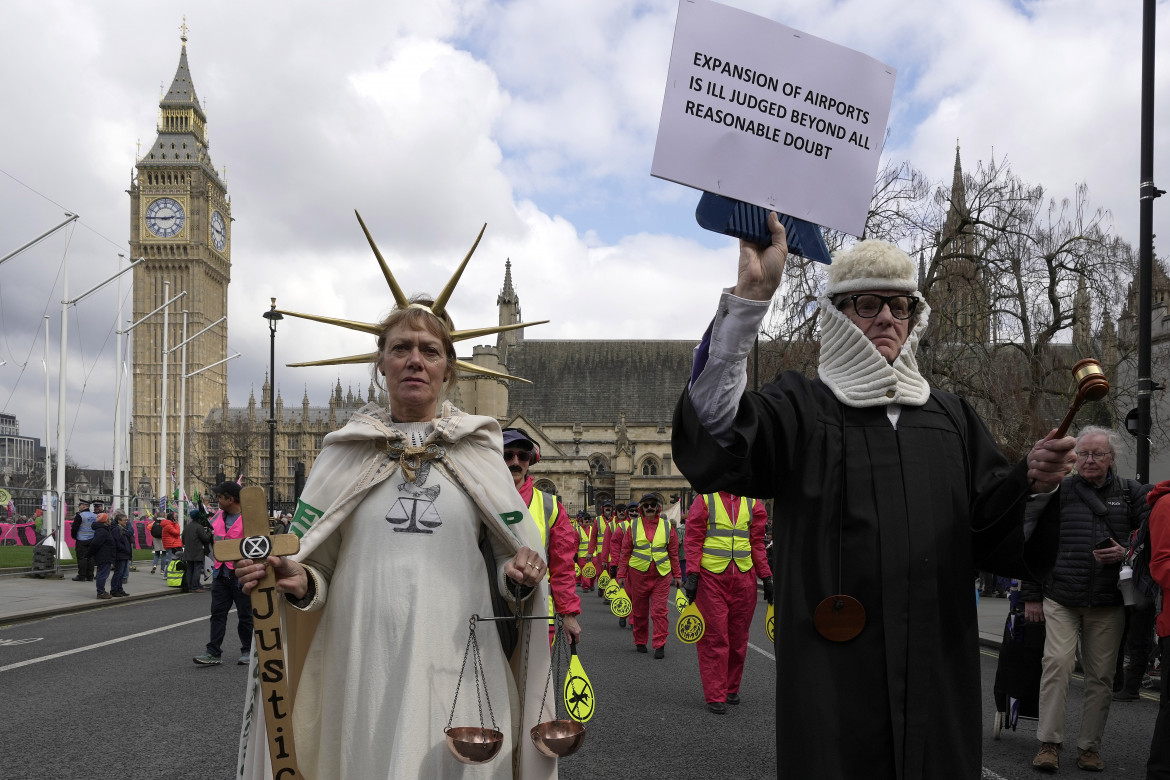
<point>1098,511</point>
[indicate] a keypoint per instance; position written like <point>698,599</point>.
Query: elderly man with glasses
<point>889,493</point>
<point>1099,510</point>
<point>649,562</point>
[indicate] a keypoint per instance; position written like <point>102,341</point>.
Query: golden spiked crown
<point>437,308</point>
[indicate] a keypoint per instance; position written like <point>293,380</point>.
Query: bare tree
<point>1018,283</point>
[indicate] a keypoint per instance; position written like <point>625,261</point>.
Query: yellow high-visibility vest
<point>727,541</point>
<point>654,551</point>
<point>543,508</point>
<point>585,532</point>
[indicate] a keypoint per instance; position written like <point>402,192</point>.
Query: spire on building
<point>1082,315</point>
<point>508,294</point>
<point>182,124</point>
<point>1108,338</point>
<point>509,304</point>
<point>957,214</point>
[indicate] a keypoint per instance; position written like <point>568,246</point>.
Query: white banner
<point>766,114</point>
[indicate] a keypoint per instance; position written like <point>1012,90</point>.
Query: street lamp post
<point>273,316</point>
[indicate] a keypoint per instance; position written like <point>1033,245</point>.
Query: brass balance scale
<point>555,738</point>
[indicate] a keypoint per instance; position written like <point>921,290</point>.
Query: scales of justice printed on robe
<point>416,512</point>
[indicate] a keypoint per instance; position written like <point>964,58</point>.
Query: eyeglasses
<point>1093,455</point>
<point>521,455</point>
<point>869,305</point>
<point>649,507</point>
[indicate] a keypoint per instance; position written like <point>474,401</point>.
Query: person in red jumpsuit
<point>588,549</point>
<point>557,531</point>
<point>606,525</point>
<point>724,543</point>
<point>621,524</point>
<point>649,564</point>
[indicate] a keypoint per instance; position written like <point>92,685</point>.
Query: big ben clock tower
<point>180,222</point>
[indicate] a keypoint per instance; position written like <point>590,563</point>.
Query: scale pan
<point>473,744</point>
<point>558,738</point>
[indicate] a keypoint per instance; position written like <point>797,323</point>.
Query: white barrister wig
<point>871,265</point>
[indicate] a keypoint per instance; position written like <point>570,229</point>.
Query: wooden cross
<point>258,544</point>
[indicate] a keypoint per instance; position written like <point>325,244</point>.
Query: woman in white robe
<point>408,523</point>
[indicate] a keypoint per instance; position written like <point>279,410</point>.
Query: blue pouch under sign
<point>743,220</point>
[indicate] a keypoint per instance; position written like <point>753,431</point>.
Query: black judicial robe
<point>899,519</point>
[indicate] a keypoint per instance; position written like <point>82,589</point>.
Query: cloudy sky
<point>536,117</point>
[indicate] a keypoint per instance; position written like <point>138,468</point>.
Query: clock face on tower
<point>218,231</point>
<point>165,217</point>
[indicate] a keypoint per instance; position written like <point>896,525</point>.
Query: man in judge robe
<point>891,494</point>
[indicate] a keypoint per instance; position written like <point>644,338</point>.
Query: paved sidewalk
<point>28,598</point>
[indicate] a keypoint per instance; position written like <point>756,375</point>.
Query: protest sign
<point>760,112</point>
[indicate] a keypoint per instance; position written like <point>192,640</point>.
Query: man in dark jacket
<point>196,538</point>
<point>102,549</point>
<point>1098,512</point>
<point>123,553</point>
<point>82,530</point>
<point>892,493</point>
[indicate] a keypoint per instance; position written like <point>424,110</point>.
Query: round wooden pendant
<point>839,618</point>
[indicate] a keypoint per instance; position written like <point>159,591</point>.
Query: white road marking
<point>31,661</point>
<point>989,775</point>
<point>759,650</point>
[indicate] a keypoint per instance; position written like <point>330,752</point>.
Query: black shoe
<point>120,594</point>
<point>660,652</point>
<point>79,579</point>
<point>1125,696</point>
<point>621,622</point>
<point>89,579</point>
<point>640,648</point>
<point>733,698</point>
<point>717,707</point>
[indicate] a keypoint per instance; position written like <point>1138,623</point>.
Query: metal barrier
<point>24,517</point>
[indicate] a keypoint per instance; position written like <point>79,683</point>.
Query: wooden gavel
<point>1091,386</point>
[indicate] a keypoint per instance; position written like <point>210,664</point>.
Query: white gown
<point>377,686</point>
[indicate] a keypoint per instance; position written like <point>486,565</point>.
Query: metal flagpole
<point>162,445</point>
<point>47,523</point>
<point>62,385</point>
<point>183,375</point>
<point>129,331</point>
<point>117,486</point>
